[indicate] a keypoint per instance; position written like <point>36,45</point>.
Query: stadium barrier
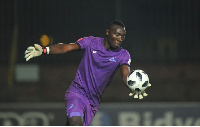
<point>109,114</point>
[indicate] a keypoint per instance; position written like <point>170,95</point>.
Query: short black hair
<point>116,22</point>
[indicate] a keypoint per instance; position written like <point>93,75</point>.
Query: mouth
<point>117,44</point>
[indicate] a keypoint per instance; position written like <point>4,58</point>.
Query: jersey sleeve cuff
<point>125,64</point>
<point>78,45</point>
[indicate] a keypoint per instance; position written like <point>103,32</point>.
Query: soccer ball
<point>138,80</point>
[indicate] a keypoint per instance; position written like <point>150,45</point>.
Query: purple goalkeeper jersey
<point>97,68</point>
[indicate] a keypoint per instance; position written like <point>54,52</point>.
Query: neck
<point>106,44</point>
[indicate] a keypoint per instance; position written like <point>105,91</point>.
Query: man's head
<point>116,22</point>
<point>115,33</point>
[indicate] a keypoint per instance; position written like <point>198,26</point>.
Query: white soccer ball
<point>138,80</point>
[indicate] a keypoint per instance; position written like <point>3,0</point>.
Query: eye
<point>117,35</point>
<point>123,36</point>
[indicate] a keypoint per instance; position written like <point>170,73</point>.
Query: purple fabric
<point>75,114</point>
<point>77,105</point>
<point>97,68</point>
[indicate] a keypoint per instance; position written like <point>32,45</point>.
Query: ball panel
<point>145,84</point>
<point>131,83</point>
<point>139,76</point>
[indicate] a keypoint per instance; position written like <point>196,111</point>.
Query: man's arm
<point>37,50</point>
<point>125,70</point>
<point>63,48</point>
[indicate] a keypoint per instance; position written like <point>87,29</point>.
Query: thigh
<point>89,114</point>
<point>75,121</point>
<point>78,109</point>
<point>74,105</point>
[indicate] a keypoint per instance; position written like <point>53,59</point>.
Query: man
<point>102,58</point>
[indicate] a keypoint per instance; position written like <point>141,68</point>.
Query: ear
<point>107,32</point>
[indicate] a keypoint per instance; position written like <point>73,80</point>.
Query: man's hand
<point>139,94</point>
<point>33,52</point>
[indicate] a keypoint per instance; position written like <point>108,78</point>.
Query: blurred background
<point>162,38</point>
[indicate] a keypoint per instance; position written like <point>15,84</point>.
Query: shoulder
<point>96,39</point>
<point>96,43</point>
<point>90,39</point>
<point>125,57</point>
<point>85,41</point>
<point>122,51</point>
<point>125,53</point>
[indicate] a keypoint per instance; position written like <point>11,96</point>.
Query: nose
<point>120,39</point>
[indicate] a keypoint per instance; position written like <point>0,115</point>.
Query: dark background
<point>162,38</point>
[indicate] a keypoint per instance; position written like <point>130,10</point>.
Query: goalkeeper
<point>102,58</point>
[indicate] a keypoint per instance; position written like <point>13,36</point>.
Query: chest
<point>102,59</point>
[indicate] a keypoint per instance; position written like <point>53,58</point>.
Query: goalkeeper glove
<point>139,94</point>
<point>33,52</point>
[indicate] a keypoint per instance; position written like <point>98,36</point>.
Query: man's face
<point>115,35</point>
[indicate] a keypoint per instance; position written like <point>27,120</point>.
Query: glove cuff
<point>46,50</point>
